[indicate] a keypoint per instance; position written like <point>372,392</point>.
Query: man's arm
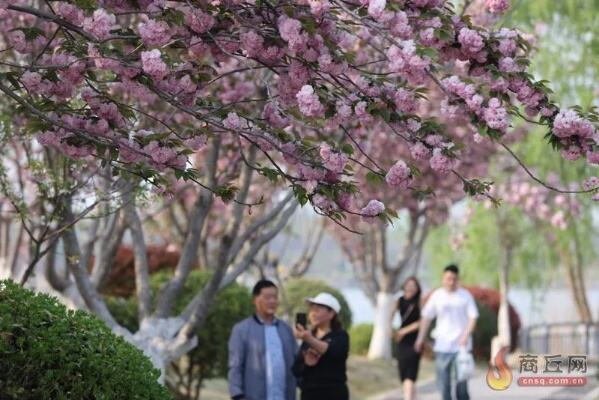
<point>425,323</point>
<point>429,312</point>
<point>469,330</point>
<point>236,363</point>
<point>472,312</point>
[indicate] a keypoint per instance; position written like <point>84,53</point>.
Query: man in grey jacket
<point>262,350</point>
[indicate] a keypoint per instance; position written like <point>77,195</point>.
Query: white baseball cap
<point>325,299</point>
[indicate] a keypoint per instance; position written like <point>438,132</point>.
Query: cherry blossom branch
<point>538,180</point>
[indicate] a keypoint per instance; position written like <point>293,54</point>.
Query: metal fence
<point>561,338</point>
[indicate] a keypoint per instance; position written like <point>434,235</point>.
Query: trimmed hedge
<point>297,290</point>
<point>359,338</point>
<point>50,352</point>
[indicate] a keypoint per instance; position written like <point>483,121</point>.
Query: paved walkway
<point>479,390</point>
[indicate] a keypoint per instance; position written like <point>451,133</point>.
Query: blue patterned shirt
<point>275,363</point>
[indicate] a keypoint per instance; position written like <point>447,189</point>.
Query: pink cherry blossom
<point>498,6</point>
<point>471,41</point>
<point>591,183</point>
<point>440,162</point>
<point>559,220</point>
<point>323,203</point>
<point>399,175</point>
<point>373,208</point>
<point>273,116</point>
<point>572,153</point>
<point>407,63</point>
<point>197,142</point>
<point>333,161</point>
<point>495,115</point>
<point>153,65</point>
<point>308,102</point>
<point>419,151</point>
<point>154,33</point>
<point>568,123</point>
<point>593,157</point>
<point>376,8</point>
<point>70,12</point>
<point>319,7</point>
<point>405,101</point>
<point>252,43</point>
<point>199,21</point>
<point>233,121</point>
<point>100,24</point>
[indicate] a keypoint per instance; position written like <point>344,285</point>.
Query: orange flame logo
<point>499,377</point>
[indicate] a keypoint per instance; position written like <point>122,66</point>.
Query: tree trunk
<point>380,343</point>
<point>503,338</point>
<point>576,287</point>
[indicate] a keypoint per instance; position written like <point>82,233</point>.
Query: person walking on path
<point>262,351</point>
<point>456,314</point>
<point>321,362</point>
<point>408,359</point>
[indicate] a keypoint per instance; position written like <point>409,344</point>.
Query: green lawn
<point>366,378</point>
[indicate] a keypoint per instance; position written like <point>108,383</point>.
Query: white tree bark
<point>380,343</point>
<point>503,338</point>
<point>157,338</point>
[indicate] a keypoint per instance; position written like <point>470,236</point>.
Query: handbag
<point>464,365</point>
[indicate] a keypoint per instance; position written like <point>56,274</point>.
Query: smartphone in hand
<point>301,319</point>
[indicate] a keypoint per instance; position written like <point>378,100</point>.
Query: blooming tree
<point>379,265</point>
<point>549,213</point>
<point>310,86</point>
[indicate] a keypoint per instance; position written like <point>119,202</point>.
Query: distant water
<point>534,307</point>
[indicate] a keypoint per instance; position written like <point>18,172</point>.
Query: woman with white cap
<point>321,363</point>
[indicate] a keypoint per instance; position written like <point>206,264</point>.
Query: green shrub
<point>486,329</point>
<point>124,311</point>
<point>297,290</point>
<point>49,352</point>
<point>359,337</point>
<point>209,358</point>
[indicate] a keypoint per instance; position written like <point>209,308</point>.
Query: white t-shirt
<point>453,310</point>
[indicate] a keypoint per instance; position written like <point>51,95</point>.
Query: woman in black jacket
<point>321,362</point>
<point>408,359</point>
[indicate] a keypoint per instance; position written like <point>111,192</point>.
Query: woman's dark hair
<point>417,283</point>
<point>336,324</point>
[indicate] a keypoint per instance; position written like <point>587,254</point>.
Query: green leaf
<point>173,17</point>
<point>86,4</point>
<point>391,212</point>
<point>309,24</point>
<point>374,178</point>
<point>227,193</point>
<point>270,173</point>
<point>300,194</point>
<point>347,149</point>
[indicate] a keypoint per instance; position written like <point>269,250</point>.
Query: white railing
<point>561,338</point>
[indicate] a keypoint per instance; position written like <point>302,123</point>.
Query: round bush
<point>297,290</point>
<point>49,352</point>
<point>359,337</point>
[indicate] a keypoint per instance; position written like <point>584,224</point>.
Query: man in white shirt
<point>456,314</point>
